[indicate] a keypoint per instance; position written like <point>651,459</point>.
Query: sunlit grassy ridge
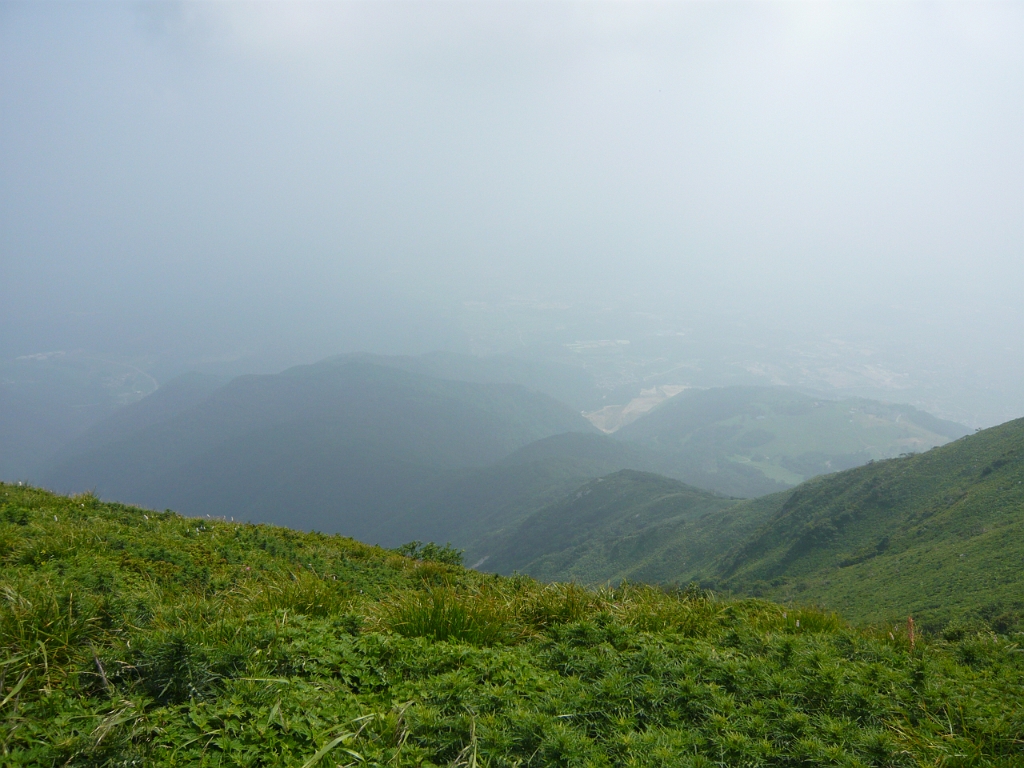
<point>138,638</point>
<point>937,535</point>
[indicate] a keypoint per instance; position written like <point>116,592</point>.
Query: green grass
<point>129,637</point>
<point>939,535</point>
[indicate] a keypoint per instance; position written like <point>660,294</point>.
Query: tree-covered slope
<point>131,637</point>
<point>750,441</point>
<point>340,445</point>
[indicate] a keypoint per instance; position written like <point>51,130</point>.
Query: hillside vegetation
<point>606,529</point>
<point>750,441</point>
<point>131,637</point>
<point>939,535</point>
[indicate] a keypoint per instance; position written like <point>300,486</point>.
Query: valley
<point>761,539</point>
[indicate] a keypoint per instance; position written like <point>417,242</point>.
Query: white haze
<point>278,182</point>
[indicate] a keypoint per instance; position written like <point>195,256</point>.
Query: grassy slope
<point>937,535</point>
<point>750,441</point>
<point>140,638</point>
<point>606,529</point>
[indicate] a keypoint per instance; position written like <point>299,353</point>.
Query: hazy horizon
<point>822,194</point>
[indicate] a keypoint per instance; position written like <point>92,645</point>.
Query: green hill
<point>606,529</point>
<point>341,445</point>
<point>751,441</point>
<point>131,637</point>
<point>938,535</point>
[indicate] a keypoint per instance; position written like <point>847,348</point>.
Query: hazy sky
<point>330,176</point>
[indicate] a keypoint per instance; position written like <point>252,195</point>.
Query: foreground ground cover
<point>130,637</point>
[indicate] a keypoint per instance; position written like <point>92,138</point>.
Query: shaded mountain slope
<point>337,445</point>
<point>177,395</point>
<point>472,507</point>
<point>570,384</point>
<point>750,441</point>
<point>48,399</point>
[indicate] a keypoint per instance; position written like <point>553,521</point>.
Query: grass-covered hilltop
<point>134,638</point>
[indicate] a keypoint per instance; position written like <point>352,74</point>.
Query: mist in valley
<point>635,199</point>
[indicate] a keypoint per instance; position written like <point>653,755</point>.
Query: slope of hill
<point>939,535</point>
<point>337,445</point>
<point>138,638</point>
<point>472,507</point>
<point>570,384</point>
<point>605,529</point>
<point>177,395</point>
<point>750,441</point>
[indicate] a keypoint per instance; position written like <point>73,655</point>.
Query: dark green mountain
<point>750,441</point>
<point>939,535</point>
<point>344,444</point>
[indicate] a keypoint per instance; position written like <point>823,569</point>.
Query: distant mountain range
<point>749,441</point>
<point>454,448</point>
<point>396,449</point>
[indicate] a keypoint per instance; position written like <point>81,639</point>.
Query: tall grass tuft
<point>444,614</point>
<point>556,604</point>
<point>46,632</point>
<point>689,613</point>
<point>303,593</point>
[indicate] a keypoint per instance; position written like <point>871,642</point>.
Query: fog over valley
<point>748,243</point>
<point>821,195</point>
